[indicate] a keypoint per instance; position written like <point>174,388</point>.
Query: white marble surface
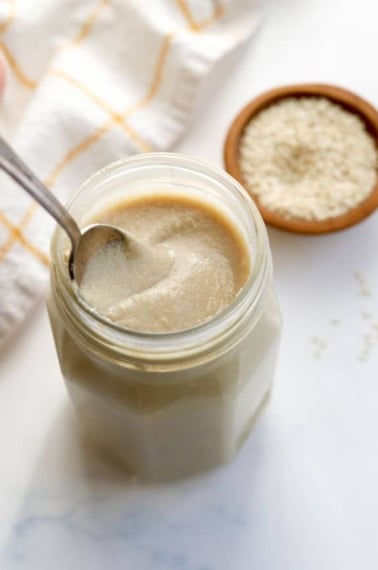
<point>303,493</point>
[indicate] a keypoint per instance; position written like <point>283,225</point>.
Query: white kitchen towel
<point>89,82</point>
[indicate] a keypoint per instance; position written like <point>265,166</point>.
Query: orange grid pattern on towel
<point>13,64</point>
<point>116,118</point>
<point>16,232</point>
<point>198,25</point>
<point>11,16</point>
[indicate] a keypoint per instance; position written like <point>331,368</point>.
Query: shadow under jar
<point>168,404</point>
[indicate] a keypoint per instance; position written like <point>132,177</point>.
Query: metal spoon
<point>84,244</point>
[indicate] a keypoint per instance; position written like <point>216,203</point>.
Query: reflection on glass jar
<point>170,404</point>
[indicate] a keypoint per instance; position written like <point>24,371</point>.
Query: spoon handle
<point>12,164</point>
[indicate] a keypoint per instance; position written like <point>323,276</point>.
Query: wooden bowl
<point>345,99</point>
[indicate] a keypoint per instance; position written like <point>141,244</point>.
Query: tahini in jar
<point>168,404</point>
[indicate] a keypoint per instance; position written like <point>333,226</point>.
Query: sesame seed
<point>308,158</point>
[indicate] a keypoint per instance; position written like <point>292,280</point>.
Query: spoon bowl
<point>93,238</point>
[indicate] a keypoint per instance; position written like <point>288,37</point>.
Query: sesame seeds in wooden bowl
<point>308,155</point>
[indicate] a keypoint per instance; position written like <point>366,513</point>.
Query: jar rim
<point>259,275</point>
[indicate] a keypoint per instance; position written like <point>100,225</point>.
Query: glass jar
<point>169,404</point>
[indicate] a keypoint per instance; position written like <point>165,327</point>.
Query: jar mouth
<point>253,288</point>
